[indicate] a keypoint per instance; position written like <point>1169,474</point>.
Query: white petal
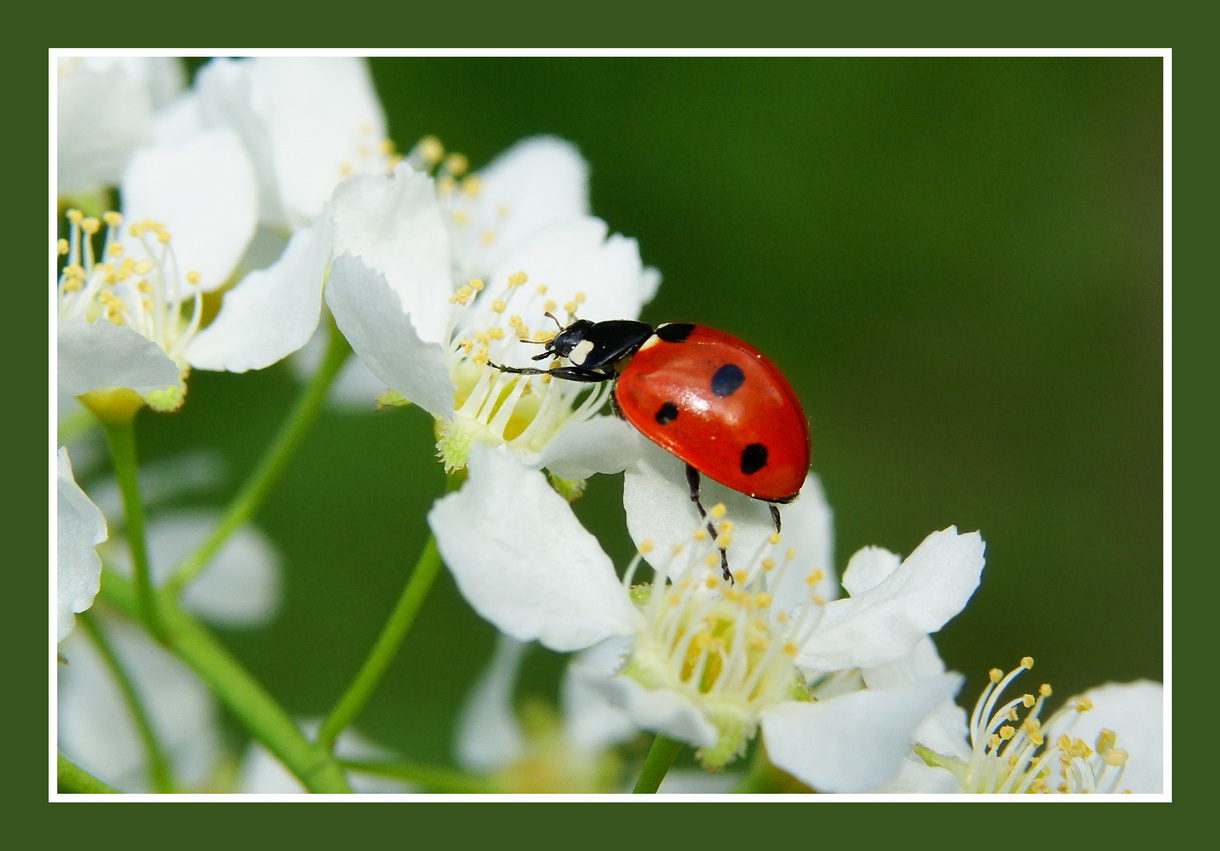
<point>660,710</point>
<point>807,529</point>
<point>855,742</point>
<point>272,312</point>
<point>590,720</point>
<point>262,774</point>
<point>489,736</point>
<point>370,316</point>
<point>95,727</point>
<point>98,355</point>
<point>395,225</point>
<point>202,188</point>
<point>598,445</point>
<point>884,623</point>
<point>659,509</point>
<point>102,114</point>
<point>1136,712</point>
<point>240,586</point>
<point>573,257</point>
<point>944,729</point>
<point>915,777</point>
<point>538,182</point>
<point>80,527</point>
<point>523,561</point>
<point>868,568</point>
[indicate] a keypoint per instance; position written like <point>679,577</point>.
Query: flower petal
<point>523,561</point>
<point>599,445</point>
<point>855,742</point>
<point>661,710</point>
<point>103,113</point>
<point>944,729</point>
<point>99,355</point>
<point>272,312</point>
<point>371,318</point>
<point>1136,713</point>
<point>395,225</point>
<point>887,621</point>
<point>488,735</point>
<point>590,719</point>
<point>262,774</point>
<point>202,189</point>
<point>80,527</point>
<point>538,182</point>
<point>868,568</point>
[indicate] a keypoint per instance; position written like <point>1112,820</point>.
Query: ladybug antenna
<point>558,324</point>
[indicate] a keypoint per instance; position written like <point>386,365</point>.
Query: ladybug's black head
<point>568,338</point>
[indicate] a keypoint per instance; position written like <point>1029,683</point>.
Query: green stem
<point>660,757</point>
<point>72,778</point>
<point>293,430</point>
<point>121,438</point>
<point>158,766</point>
<point>384,650</point>
<point>758,775</point>
<point>428,778</point>
<point>74,425</point>
<point>241,693</point>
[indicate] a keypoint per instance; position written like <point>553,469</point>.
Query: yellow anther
<point>516,279</point>
<point>472,186</point>
<point>75,216</point>
<point>789,649</point>
<point>476,284</point>
<point>1027,662</point>
<point>579,297</point>
<point>498,306</point>
<point>143,267</point>
<point>711,560</point>
<point>430,149</point>
<point>717,511</point>
<point>144,287</point>
<point>773,538</point>
<point>1115,757</point>
<point>162,234</point>
<point>1106,740</point>
<point>995,675</point>
<point>700,534</point>
<point>502,210</point>
<point>496,333</point>
<point>193,277</point>
<point>1083,704</point>
<point>994,741</point>
<point>460,218</point>
<point>112,219</point>
<point>487,237</point>
<point>541,290</point>
<point>545,379</point>
<point>549,306</point>
<point>386,147</point>
<point>1027,700</point>
<point>462,296</point>
<point>677,548</point>
<point>645,547</point>
<point>456,164</point>
<point>674,598</point>
<point>789,554</point>
<point>711,582</point>
<point>61,246</point>
<point>91,225</point>
<point>569,307</point>
<point>115,249</point>
<point>781,617</point>
<point>762,600</point>
<point>1045,689</point>
<point>768,564</point>
<point>445,185</point>
<point>1007,732</point>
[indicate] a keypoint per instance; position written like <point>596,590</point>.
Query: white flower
<point>428,336</point>
<point>1107,740</point>
<point>262,774</point>
<point>80,528</point>
<point>105,110</point>
<point>710,663</point>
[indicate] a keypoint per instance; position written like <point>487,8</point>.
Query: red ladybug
<point>708,398</point>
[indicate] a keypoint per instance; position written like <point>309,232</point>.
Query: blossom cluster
<point>265,211</point>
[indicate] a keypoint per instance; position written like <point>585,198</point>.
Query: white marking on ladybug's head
<point>649,343</point>
<point>580,352</point>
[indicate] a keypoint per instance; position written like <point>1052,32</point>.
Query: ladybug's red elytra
<point>708,398</point>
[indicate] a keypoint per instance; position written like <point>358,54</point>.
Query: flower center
<point>726,648</point>
<point>147,293</point>
<point>1011,753</point>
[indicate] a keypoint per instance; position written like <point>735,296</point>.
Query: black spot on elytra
<point>727,379</point>
<point>667,413</point>
<point>753,458</point>
<point>675,332</point>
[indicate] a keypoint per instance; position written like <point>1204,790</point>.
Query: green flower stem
<point>72,778</point>
<point>121,438</point>
<point>759,776</point>
<point>384,650</point>
<point>427,778</point>
<point>247,501</point>
<point>158,766</point>
<point>241,693</point>
<point>660,757</point>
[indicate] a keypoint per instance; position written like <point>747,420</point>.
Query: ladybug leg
<point>568,373</point>
<point>692,481</point>
<point>774,514</point>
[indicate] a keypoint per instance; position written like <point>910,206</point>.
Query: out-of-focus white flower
<point>105,110</point>
<point>710,663</point>
<point>80,527</point>
<point>261,773</point>
<point>1107,740</point>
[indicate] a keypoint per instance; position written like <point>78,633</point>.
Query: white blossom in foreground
<point>706,662</point>
<point>428,336</point>
<point>1107,740</point>
<point>80,527</point>
<point>261,773</point>
<point>105,109</point>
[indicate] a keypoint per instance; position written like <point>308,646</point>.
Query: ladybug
<point>710,399</point>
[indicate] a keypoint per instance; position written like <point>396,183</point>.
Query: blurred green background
<point>957,262</point>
